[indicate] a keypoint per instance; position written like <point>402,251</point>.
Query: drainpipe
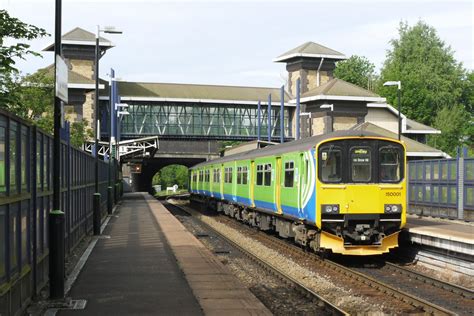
<point>259,109</point>
<point>282,114</point>
<point>297,116</point>
<point>318,78</point>
<point>269,116</point>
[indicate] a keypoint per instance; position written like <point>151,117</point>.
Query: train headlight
<point>392,208</point>
<point>330,208</point>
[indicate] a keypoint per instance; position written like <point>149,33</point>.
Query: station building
<point>187,115</point>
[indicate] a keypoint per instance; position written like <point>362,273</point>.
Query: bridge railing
<point>26,193</point>
<point>442,188</point>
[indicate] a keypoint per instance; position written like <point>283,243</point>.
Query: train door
<point>302,179</point>
<point>234,181</point>
<point>221,181</point>
<point>278,185</point>
<point>252,183</point>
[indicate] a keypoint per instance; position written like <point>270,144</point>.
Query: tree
<point>431,78</point>
<point>457,128</point>
<point>357,70</point>
<point>31,97</point>
<point>80,133</point>
<point>171,175</point>
<point>13,28</point>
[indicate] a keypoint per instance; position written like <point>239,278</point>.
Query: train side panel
<point>265,188</point>
<point>243,182</point>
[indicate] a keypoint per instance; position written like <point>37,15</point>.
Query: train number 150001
<point>393,193</point>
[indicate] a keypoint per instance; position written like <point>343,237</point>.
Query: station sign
<point>61,78</point>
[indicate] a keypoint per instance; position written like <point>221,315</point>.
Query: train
<point>343,192</point>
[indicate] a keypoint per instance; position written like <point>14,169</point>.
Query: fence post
<point>460,184</point>
<point>34,208</point>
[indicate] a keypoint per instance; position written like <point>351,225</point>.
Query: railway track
<point>288,280</point>
<point>459,299</point>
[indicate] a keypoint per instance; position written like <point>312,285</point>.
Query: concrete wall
<point>343,123</point>
<point>383,118</point>
<point>318,125</point>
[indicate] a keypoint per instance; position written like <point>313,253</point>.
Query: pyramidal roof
<point>339,87</point>
<point>310,50</point>
<point>79,36</point>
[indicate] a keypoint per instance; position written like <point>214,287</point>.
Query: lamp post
<point>399,84</point>
<point>96,205</point>
<point>331,107</point>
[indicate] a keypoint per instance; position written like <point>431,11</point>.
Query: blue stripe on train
<point>266,205</point>
<point>290,210</point>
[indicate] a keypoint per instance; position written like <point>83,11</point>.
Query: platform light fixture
<point>399,85</point>
<point>96,204</point>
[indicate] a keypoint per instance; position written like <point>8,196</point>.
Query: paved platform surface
<point>151,265</point>
<point>445,228</point>
<point>445,234</point>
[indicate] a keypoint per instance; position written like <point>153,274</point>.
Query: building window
<point>289,174</point>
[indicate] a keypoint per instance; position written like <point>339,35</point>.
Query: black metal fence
<point>26,193</point>
<point>442,187</point>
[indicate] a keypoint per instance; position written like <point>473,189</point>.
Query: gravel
<point>342,297</point>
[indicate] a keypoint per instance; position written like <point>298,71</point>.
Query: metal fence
<point>26,193</point>
<point>442,188</point>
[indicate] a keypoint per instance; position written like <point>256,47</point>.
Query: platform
<point>151,265</point>
<point>446,234</point>
<point>445,243</point>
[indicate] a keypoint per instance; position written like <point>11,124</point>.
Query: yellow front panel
<point>360,198</point>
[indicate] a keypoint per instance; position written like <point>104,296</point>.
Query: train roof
<point>297,145</point>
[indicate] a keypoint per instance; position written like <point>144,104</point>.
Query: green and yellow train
<point>343,192</point>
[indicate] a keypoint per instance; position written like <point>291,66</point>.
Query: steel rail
<point>408,298</point>
<point>328,306</point>
<point>457,289</point>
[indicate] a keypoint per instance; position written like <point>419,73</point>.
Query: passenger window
<point>259,174</point>
<point>289,174</point>
<point>389,164</point>
<point>239,175</point>
<point>331,164</point>
<point>228,175</point>
<point>361,164</point>
<point>268,175</point>
<point>244,175</point>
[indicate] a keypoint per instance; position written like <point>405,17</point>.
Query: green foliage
<point>468,92</point>
<point>32,97</point>
<point>457,128</point>
<point>357,70</point>
<point>431,78</point>
<point>80,133</point>
<point>171,175</point>
<point>12,28</point>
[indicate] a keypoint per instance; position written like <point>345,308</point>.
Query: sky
<point>234,42</point>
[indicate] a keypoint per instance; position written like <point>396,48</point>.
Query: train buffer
<point>147,263</point>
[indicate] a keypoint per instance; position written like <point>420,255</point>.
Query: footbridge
<point>193,123</point>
